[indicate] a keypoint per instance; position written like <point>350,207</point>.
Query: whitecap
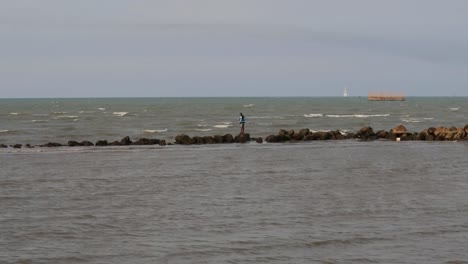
<point>151,131</point>
<point>66,117</point>
<point>102,109</point>
<point>14,113</point>
<point>39,121</point>
<point>4,131</point>
<point>59,113</point>
<point>120,113</point>
<point>226,123</point>
<point>455,108</point>
<point>358,115</point>
<point>222,126</point>
<point>313,115</point>
<point>203,129</point>
<point>87,112</point>
<point>249,105</point>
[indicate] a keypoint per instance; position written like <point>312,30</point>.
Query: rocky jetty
<point>398,133</point>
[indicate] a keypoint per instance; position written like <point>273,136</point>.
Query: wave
<point>416,119</point>
<point>101,108</point>
<point>5,131</point>
<point>66,117</point>
<point>120,113</point>
<point>313,115</point>
<point>39,121</point>
<point>249,105</point>
<point>87,112</point>
<point>203,129</point>
<point>358,115</point>
<point>223,126</point>
<point>40,114</point>
<point>455,108</point>
<point>59,113</point>
<point>14,113</point>
<point>152,131</point>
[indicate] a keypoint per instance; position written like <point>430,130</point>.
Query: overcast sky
<point>160,48</point>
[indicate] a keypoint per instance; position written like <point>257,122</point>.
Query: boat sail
<point>345,92</point>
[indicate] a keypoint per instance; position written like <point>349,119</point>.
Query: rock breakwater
<point>398,133</point>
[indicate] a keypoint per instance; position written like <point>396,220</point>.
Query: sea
<point>337,201</point>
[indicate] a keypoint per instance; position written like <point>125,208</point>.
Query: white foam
<point>249,105</point>
<point>120,113</point>
<point>313,115</point>
<point>222,126</point>
<point>102,109</point>
<point>39,121</point>
<point>455,108</point>
<point>203,129</point>
<point>4,131</point>
<point>416,119</point>
<point>358,115</point>
<point>66,117</point>
<point>14,113</point>
<point>152,131</point>
<point>59,113</point>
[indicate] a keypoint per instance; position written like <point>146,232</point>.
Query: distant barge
<point>385,97</point>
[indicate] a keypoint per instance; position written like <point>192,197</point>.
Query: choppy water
<point>320,202</point>
<point>38,121</point>
<point>315,202</point>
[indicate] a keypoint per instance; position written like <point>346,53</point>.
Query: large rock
<point>125,141</point>
<point>102,143</point>
<point>52,145</point>
<point>146,141</point>
<point>183,139</point>
<point>86,143</point>
<point>209,140</point>
<point>381,134</point>
<point>259,140</point>
<point>17,146</point>
<point>365,133</point>
<point>399,130</point>
<point>162,142</point>
<point>242,138</point>
<point>3,146</point>
<point>304,132</point>
<point>198,140</point>
<point>228,138</point>
<point>218,139</point>
<point>272,139</point>
<point>73,143</point>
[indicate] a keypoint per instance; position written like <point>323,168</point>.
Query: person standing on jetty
<point>242,122</point>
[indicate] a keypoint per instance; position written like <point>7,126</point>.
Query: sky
<point>186,48</point>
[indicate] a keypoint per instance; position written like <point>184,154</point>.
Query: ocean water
<point>38,121</point>
<point>315,202</point>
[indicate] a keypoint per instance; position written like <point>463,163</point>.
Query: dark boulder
<point>381,134</point>
<point>218,139</point>
<point>304,132</point>
<point>228,138</point>
<point>198,140</point>
<point>29,146</point>
<point>242,138</point>
<point>115,143</point>
<point>3,146</point>
<point>365,133</point>
<point>52,145</point>
<point>183,139</point>
<point>17,146</point>
<point>209,140</point>
<point>86,143</point>
<point>101,143</point>
<point>259,140</point>
<point>73,143</point>
<point>146,141</point>
<point>162,142</point>
<point>125,141</point>
<point>272,139</point>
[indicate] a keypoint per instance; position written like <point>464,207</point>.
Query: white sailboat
<point>345,92</point>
